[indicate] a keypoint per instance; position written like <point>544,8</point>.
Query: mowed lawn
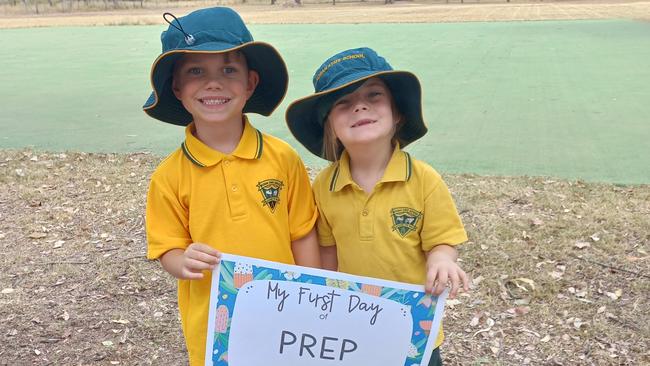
<point>563,99</point>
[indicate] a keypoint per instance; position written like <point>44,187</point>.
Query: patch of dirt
<point>561,269</point>
<point>375,12</point>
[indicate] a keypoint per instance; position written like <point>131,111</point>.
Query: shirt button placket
<point>235,198</point>
<point>366,222</point>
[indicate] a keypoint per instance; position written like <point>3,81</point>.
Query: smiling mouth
<point>211,101</point>
<point>363,122</point>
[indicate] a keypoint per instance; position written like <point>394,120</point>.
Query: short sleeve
<point>302,209</point>
<point>166,219</point>
<point>441,222</point>
<point>323,227</point>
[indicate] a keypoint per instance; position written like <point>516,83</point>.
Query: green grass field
<point>563,99</point>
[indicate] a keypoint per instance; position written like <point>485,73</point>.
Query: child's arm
<point>305,250</point>
<point>329,258</point>
<point>190,263</point>
<point>442,268</point>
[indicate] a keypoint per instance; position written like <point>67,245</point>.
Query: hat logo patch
<point>348,57</point>
<point>405,219</point>
<point>270,190</point>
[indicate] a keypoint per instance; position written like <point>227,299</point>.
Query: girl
<point>382,213</point>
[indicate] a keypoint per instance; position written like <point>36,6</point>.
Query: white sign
<point>266,313</point>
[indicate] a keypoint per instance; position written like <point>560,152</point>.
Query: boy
<point>228,188</point>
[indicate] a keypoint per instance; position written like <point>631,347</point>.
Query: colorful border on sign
<point>233,275</point>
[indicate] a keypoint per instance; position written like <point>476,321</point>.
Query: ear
<point>176,89</point>
<point>253,80</point>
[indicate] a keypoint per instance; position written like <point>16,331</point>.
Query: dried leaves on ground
<point>561,270</point>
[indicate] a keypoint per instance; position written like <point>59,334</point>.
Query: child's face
<point>214,87</point>
<point>365,115</point>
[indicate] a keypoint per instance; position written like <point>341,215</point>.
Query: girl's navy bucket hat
<point>214,30</point>
<point>342,74</point>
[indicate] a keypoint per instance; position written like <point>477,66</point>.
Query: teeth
<point>214,101</point>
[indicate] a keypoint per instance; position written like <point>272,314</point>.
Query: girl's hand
<point>443,269</point>
<point>197,258</point>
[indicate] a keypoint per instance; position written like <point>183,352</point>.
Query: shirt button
<point>226,163</point>
<point>234,188</point>
<point>364,212</point>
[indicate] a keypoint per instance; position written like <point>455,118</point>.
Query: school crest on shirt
<point>405,219</point>
<point>270,190</point>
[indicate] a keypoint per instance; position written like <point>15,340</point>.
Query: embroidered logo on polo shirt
<point>270,189</point>
<point>405,219</point>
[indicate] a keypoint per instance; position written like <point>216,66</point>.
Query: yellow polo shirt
<point>386,234</point>
<point>252,202</point>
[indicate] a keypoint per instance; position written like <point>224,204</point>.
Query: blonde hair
<point>332,146</point>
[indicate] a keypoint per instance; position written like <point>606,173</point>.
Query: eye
<point>374,93</point>
<point>194,71</point>
<point>229,70</point>
<point>341,102</point>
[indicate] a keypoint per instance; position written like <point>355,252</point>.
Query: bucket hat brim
<point>306,123</point>
<point>163,105</point>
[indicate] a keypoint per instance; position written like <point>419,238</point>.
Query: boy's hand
<point>197,258</point>
<point>442,269</point>
<point>190,263</point>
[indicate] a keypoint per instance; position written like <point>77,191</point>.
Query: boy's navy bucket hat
<point>342,74</point>
<point>214,30</point>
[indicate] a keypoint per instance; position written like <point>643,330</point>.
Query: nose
<point>213,82</point>
<point>360,105</point>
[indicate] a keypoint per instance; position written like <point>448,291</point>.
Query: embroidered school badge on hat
<point>405,219</point>
<point>270,189</point>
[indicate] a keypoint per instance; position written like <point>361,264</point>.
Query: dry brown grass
<point>561,269</point>
<point>402,12</point>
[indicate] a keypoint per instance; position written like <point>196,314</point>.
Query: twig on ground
<point>610,266</point>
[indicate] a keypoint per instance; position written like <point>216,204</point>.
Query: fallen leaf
<point>630,258</point>
<point>475,320</point>
<point>522,310</point>
<point>581,245</point>
<point>37,352</point>
<point>452,302</point>
<point>614,295</point>
<point>490,324</point>
<point>107,343</point>
<point>528,281</point>
<point>477,280</point>
<point>158,314</point>
<point>577,323</point>
<point>595,237</point>
<point>120,321</point>
<point>545,339</point>
<point>58,244</point>
<point>601,310</point>
<point>7,291</point>
<point>124,336</point>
